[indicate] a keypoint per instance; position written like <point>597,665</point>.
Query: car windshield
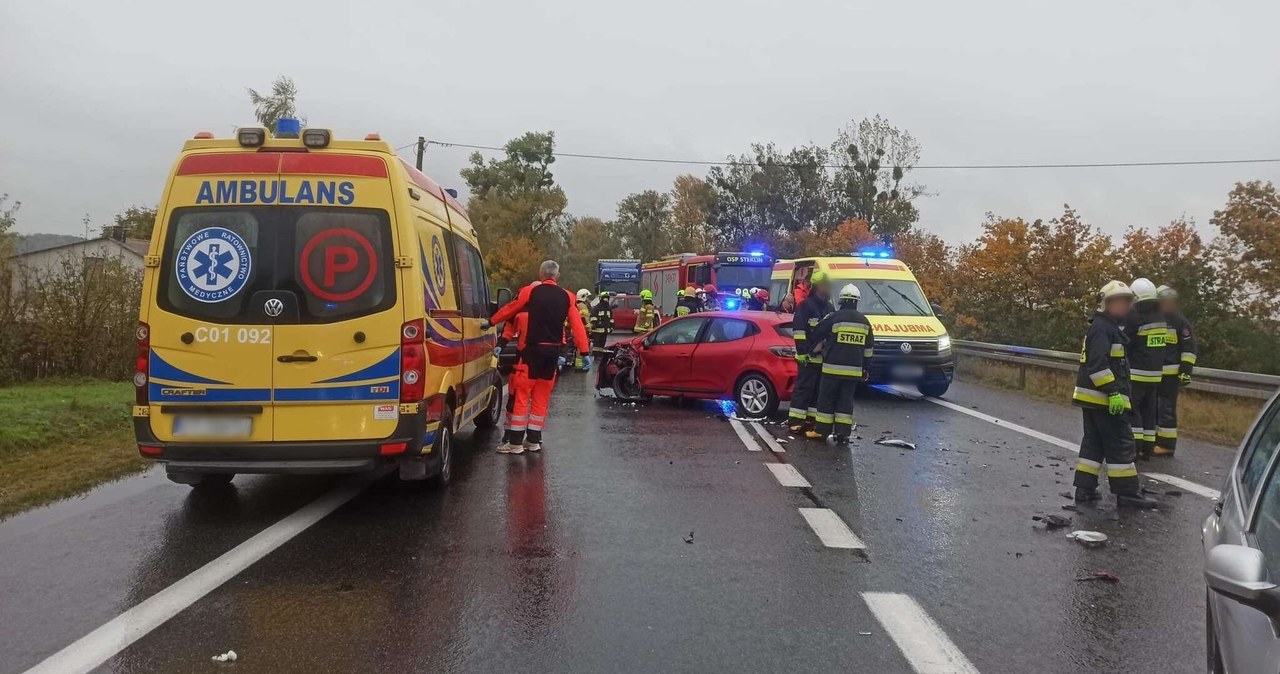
<point>336,261</point>
<point>730,276</point>
<point>888,297</point>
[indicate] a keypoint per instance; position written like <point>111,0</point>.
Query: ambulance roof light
<point>316,138</point>
<point>203,135</point>
<point>251,136</point>
<point>288,127</point>
<point>756,253</point>
<point>372,136</point>
<point>875,252</point>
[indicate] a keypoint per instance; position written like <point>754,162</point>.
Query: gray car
<point>1242,557</point>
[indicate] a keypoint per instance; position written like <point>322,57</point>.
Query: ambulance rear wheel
<point>492,414</point>
<point>444,449</point>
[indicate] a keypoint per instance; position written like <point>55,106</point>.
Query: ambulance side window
<point>474,295</point>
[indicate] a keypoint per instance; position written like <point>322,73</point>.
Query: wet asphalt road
<point>644,538</point>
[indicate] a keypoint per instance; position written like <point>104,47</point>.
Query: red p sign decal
<point>332,265</point>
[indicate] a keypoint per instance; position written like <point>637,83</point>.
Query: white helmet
<point>584,295</point>
<point>1166,293</point>
<point>1143,290</point>
<point>1113,289</point>
<point>850,292</point>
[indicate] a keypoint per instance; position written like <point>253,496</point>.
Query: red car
<point>744,356</point>
<point>624,311</point>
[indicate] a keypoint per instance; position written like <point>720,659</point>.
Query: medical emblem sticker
<point>437,263</point>
<point>213,264</point>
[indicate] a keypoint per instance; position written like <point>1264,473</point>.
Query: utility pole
<point>422,148</point>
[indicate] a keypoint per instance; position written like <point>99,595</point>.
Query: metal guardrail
<point>1228,382</point>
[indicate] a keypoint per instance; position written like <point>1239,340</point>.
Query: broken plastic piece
<point>895,442</point>
<point>229,656</point>
<point>1089,539</point>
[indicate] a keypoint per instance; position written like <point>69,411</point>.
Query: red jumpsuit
<point>546,308</point>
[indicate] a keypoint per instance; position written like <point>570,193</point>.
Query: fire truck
<point>733,275</point>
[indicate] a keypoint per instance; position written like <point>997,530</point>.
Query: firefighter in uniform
<point>601,323</point>
<point>583,304</point>
<point>1146,330</point>
<point>1102,392</point>
<point>847,337</point>
<point>809,313</point>
<point>646,315</point>
<point>685,303</point>
<point>1179,361</point>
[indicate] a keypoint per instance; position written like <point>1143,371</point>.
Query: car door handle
<point>296,359</point>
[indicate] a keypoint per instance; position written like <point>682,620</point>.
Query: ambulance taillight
<point>413,362</point>
<point>143,365</point>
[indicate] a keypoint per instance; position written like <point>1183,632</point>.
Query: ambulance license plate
<point>212,426</point>
<point>907,372</point>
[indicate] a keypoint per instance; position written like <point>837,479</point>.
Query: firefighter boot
<point>1136,501</point>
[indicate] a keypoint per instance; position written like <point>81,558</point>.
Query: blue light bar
<point>884,253</point>
<point>757,253</point>
<point>288,127</point>
<point>866,253</point>
<point>731,304</point>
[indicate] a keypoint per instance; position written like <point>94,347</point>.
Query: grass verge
<point>1215,418</point>
<point>59,439</point>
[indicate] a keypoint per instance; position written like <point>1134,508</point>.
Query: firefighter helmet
<point>850,292</point>
<point>709,289</point>
<point>1113,289</point>
<point>1143,290</point>
<point>646,294</point>
<point>584,295</point>
<point>680,292</point>
<point>1166,293</point>
<point>817,277</point>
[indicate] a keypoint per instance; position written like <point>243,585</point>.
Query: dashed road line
<point>744,436</point>
<point>1187,485</point>
<point>768,438</point>
<point>98,646</point>
<point>927,648</point>
<point>831,530</point>
<point>787,475</point>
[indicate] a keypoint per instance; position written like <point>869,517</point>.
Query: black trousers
<point>1167,413</point>
<point>804,397</point>
<point>597,341</point>
<point>1107,439</point>
<point>1144,397</point>
<point>835,404</point>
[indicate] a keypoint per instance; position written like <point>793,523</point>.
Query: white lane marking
<point>927,648</point>
<point>787,475</point>
<point>831,530</point>
<point>98,646</point>
<point>1187,485</point>
<point>767,437</point>
<point>744,436</point>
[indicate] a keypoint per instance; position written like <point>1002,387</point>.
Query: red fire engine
<point>733,275</point>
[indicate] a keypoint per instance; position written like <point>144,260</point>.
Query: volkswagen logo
<point>904,347</point>
<point>273,307</point>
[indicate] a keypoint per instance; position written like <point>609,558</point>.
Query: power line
<point>933,167</point>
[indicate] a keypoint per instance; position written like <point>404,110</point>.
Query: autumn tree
<point>930,258</point>
<point>588,240</point>
<point>517,207</point>
<point>276,104</point>
<point>870,184</point>
<point>642,223</point>
<point>135,222</point>
<point>845,238</point>
<point>1250,247</point>
<point>692,201</point>
<point>768,196</point>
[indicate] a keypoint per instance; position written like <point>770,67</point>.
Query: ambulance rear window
<point>335,263</point>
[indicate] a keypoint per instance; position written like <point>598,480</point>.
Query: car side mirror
<point>1239,573</point>
<point>937,309</point>
<point>504,298</point>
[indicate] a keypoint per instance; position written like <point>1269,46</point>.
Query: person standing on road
<point>646,315</point>
<point>1102,392</point>
<point>685,303</point>
<point>810,312</point>
<point>1146,330</point>
<point>1179,362</point>
<point>601,323</point>
<point>847,337</point>
<point>548,307</point>
<point>758,300</point>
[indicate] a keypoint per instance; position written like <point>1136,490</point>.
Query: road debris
<point>689,539</point>
<point>1100,576</point>
<point>1089,539</point>
<point>229,656</point>
<point>1053,521</point>
<point>895,442</point>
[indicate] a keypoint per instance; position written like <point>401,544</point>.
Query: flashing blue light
<point>756,253</point>
<point>288,127</point>
<point>867,253</point>
<point>874,252</point>
<point>884,253</point>
<point>731,304</point>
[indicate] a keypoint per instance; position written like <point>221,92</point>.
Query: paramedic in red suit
<point>548,307</point>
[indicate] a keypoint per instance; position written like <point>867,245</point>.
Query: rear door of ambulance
<point>336,348</point>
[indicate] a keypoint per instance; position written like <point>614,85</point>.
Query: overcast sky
<point>96,98</point>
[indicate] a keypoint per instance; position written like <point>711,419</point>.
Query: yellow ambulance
<point>310,305</point>
<point>911,344</point>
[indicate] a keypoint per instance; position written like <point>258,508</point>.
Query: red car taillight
<point>142,365</point>
<point>413,362</point>
<point>783,351</point>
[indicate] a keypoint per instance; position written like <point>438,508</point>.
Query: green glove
<point>1115,404</point>
<point>1184,379</point>
<point>802,359</point>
